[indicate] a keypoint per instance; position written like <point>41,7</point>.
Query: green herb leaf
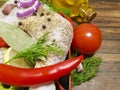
<point>53,8</point>
<point>2,2</point>
<point>38,50</point>
<point>15,37</point>
<point>90,66</point>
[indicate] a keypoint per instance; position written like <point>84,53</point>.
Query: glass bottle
<point>80,10</point>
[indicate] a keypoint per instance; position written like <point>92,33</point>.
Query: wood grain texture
<point>110,47</point>
<point>106,79</point>
<point>108,20</point>
<point>109,57</point>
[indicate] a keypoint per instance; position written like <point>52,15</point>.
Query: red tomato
<point>3,43</point>
<point>87,39</point>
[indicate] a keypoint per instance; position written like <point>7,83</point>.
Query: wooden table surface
<point>108,20</point>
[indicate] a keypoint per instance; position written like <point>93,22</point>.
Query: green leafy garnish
<point>53,8</point>
<point>64,10</point>
<point>2,2</point>
<point>16,38</point>
<point>90,66</point>
<point>38,50</point>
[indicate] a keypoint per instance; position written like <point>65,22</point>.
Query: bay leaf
<point>15,37</point>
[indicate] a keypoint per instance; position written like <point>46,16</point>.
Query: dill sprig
<point>39,50</point>
<point>90,66</point>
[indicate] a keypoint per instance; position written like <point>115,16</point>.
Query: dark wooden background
<point>108,20</point>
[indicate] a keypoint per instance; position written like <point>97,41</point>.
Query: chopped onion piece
<point>80,68</point>
<point>25,13</point>
<point>36,5</point>
<point>29,11</point>
<point>25,3</point>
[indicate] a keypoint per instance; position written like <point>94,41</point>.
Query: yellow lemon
<point>19,62</point>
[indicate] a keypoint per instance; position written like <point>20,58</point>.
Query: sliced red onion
<point>25,3</point>
<point>25,13</point>
<point>36,5</point>
<point>29,11</point>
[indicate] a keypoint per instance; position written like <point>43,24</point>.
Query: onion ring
<point>25,3</point>
<point>29,11</point>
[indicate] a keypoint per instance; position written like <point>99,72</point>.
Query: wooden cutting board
<point>108,20</point>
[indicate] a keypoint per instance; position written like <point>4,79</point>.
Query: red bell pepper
<point>26,77</point>
<point>3,43</point>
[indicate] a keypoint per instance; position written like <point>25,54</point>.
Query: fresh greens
<point>2,2</point>
<point>53,8</point>
<point>90,66</point>
<point>39,50</point>
<point>15,37</point>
